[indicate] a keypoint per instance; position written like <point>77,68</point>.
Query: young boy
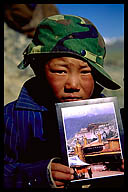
<point>66,54</point>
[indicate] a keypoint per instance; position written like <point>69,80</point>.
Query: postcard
<point>91,134</point>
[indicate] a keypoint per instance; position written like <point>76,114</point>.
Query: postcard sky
<point>94,109</point>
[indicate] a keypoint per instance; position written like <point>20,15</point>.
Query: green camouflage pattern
<point>69,35</point>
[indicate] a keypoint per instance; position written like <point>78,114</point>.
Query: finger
<point>61,168</point>
<point>122,165</point>
<point>57,175</point>
<point>59,183</point>
<point>60,187</point>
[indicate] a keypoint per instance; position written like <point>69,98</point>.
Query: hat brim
<point>101,76</point>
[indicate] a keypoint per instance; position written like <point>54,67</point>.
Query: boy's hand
<point>61,173</point>
<point>122,165</point>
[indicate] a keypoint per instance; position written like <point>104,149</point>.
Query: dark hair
<point>38,64</point>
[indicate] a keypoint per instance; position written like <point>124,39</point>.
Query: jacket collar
<point>25,101</point>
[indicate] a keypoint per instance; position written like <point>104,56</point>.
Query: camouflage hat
<point>68,35</point>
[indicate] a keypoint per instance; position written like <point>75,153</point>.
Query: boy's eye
<point>85,72</point>
<point>59,71</point>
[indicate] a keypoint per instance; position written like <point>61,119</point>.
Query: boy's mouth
<point>67,99</point>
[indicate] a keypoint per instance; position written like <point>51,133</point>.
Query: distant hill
<point>114,65</point>
<point>73,125</point>
<point>115,52</point>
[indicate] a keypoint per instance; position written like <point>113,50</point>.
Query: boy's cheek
<point>57,88</point>
<point>56,82</point>
<point>54,78</point>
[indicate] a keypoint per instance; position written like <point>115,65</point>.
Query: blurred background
<point>20,21</point>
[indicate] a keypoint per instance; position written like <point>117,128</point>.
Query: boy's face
<point>69,78</point>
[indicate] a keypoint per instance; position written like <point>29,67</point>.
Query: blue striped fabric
<point>25,144</point>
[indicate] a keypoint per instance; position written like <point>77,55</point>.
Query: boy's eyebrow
<point>82,65</point>
<point>61,64</point>
<point>64,63</point>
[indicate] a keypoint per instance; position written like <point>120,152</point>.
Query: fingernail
<point>72,176</point>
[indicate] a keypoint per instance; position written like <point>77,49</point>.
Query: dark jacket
<point>31,140</point>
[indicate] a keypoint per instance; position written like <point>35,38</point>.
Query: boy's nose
<point>72,84</point>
